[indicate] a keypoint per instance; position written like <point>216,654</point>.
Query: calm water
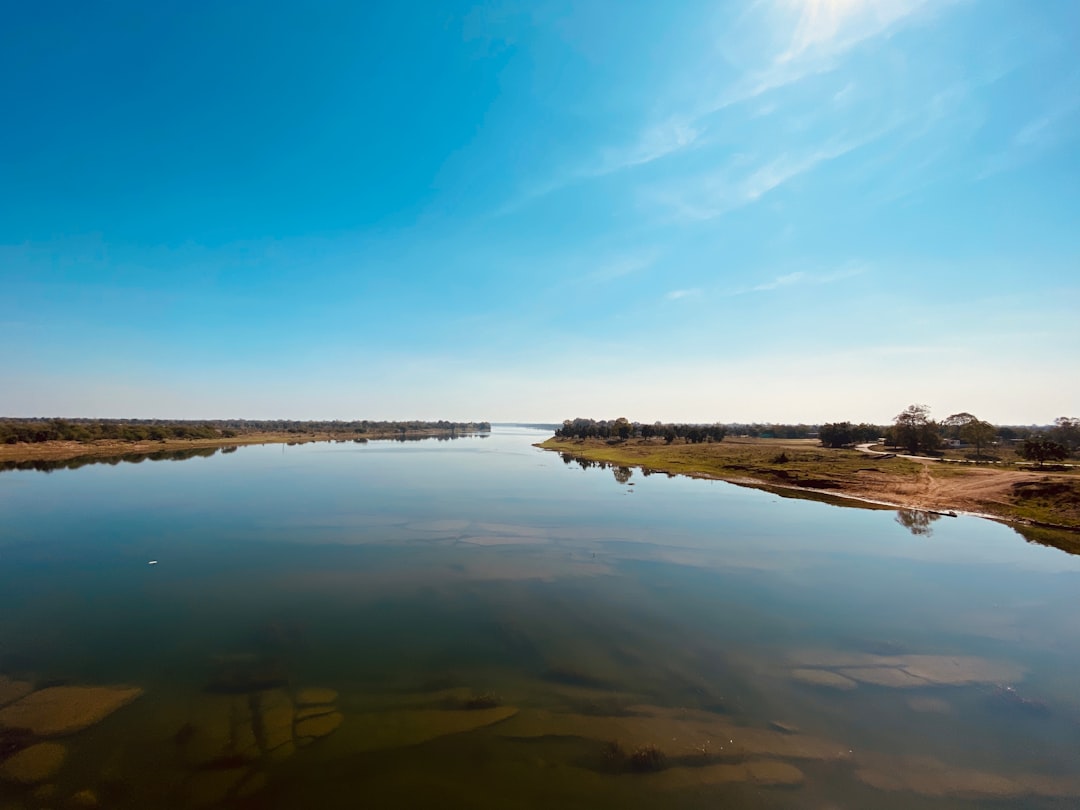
<point>503,629</point>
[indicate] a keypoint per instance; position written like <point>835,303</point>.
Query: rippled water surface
<point>478,623</point>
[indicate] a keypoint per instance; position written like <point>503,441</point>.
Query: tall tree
<point>915,430</point>
<point>978,433</point>
<point>971,429</point>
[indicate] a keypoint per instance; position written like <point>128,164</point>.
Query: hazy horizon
<point>786,212</point>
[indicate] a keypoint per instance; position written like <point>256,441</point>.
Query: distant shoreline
<point>68,450</point>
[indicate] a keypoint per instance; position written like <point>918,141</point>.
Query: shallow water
<point>493,618</point>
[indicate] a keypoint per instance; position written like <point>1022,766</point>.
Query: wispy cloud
<point>830,27</point>
<point>1048,129</point>
<point>584,270</point>
<point>802,277</point>
<point>779,281</point>
<point>843,95</point>
<point>677,295</point>
<point>653,144</point>
<point>619,267</point>
<point>1043,132</point>
<point>820,32</point>
<point>739,184</point>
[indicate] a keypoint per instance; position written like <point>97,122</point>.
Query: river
<point>479,623</point>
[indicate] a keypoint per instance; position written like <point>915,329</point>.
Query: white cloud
<point>654,143</point>
<point>820,32</point>
<point>676,295</point>
<point>771,45</point>
<point>730,188</point>
<point>780,281</point>
<point>834,26</point>
<point>802,277</point>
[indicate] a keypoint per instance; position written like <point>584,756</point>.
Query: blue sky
<point>806,210</point>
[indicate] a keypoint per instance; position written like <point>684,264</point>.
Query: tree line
<point>915,431</point>
<point>622,428</point>
<point>35,430</point>
<point>912,430</point>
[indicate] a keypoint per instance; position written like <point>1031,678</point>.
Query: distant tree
<point>1041,450</point>
<point>954,422</point>
<point>978,433</point>
<point>836,434</point>
<point>915,430</point>
<point>971,429</point>
<point>1066,432</point>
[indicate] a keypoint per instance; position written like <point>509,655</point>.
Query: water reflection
<point>917,521</point>
<point>49,465</point>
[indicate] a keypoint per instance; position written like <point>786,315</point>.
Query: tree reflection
<point>622,474</point>
<point>917,521</point>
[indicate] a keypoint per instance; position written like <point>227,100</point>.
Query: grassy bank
<point>111,448</point>
<point>1030,496</point>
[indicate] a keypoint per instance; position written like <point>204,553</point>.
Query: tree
<point>1041,450</point>
<point>915,430</point>
<point>836,434</point>
<point>978,433</point>
<point>971,429</point>
<point>957,421</point>
<point>1066,432</point>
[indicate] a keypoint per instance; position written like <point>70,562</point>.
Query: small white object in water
<point>152,562</point>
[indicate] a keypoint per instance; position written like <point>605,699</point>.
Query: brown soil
<point>976,490</point>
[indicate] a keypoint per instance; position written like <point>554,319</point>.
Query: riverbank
<point>1022,496</point>
<point>111,448</point>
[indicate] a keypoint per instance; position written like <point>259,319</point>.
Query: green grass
<point>806,465</point>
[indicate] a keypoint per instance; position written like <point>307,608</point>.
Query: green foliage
<point>1041,450</point>
<point>971,429</point>
<point>836,434</point>
<point>623,429</point>
<point>978,433</point>
<point>14,431</point>
<point>1066,432</point>
<point>914,430</point>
